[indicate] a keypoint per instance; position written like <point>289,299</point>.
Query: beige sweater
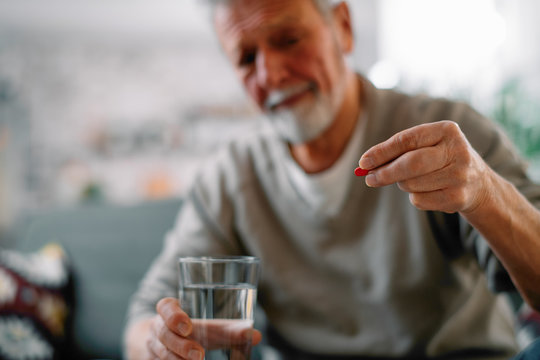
<point>371,280</point>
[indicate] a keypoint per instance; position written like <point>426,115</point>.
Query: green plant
<point>519,115</point>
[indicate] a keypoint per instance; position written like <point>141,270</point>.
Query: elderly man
<point>405,267</point>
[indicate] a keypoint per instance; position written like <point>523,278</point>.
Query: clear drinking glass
<point>219,295</point>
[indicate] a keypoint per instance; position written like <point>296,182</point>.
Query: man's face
<point>289,59</point>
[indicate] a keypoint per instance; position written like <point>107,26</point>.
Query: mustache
<point>276,97</point>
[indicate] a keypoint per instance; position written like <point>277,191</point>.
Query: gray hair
<point>324,6</point>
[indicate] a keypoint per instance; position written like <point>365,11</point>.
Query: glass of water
<point>219,294</point>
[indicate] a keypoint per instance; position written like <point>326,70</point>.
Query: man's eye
<point>247,59</point>
<point>286,41</point>
<point>290,40</point>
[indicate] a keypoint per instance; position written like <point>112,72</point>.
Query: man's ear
<point>344,31</point>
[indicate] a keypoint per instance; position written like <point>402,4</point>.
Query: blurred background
<point>118,101</point>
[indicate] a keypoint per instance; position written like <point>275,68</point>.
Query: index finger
<point>404,141</point>
<point>174,317</point>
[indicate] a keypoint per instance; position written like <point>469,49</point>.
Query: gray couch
<point>110,248</point>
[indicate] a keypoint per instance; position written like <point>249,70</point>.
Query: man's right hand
<point>171,334</point>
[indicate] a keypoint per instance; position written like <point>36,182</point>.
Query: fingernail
<point>184,329</point>
<point>195,355</point>
<point>371,180</point>
<point>366,163</point>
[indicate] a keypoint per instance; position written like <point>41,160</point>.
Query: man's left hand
<point>435,164</point>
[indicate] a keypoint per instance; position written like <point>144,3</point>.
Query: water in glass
<point>218,311</point>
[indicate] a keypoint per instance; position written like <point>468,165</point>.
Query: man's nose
<point>271,68</point>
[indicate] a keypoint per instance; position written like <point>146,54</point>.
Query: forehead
<point>239,18</point>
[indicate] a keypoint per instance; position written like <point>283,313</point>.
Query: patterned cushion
<point>36,295</point>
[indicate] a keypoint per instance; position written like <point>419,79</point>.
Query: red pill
<point>360,172</point>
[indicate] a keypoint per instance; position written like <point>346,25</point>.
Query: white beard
<point>306,121</point>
